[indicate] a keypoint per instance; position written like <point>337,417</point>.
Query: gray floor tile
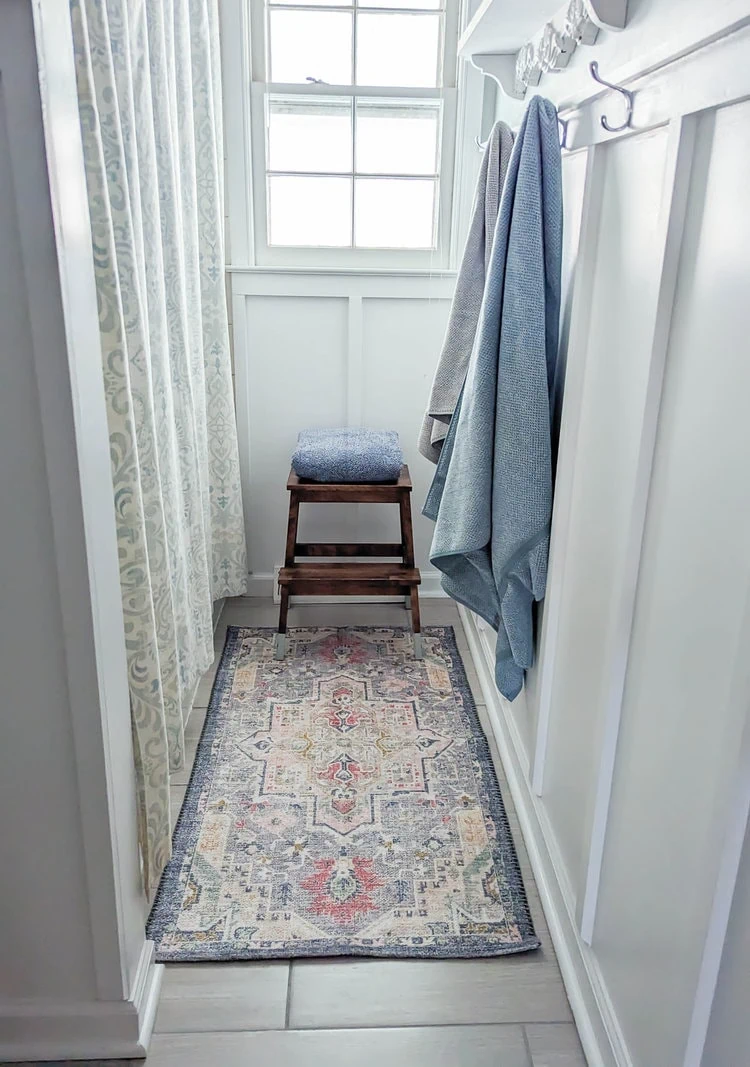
<point>203,692</point>
<point>438,611</point>
<point>474,1046</point>
<point>182,777</point>
<point>341,993</point>
<point>555,1045</point>
<point>176,797</point>
<point>199,997</point>
<point>194,725</point>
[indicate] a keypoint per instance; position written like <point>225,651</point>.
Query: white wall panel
<point>297,364</point>
<point>682,719</point>
<point>350,353</point>
<point>617,360</point>
<point>728,1039</point>
<point>526,711</point>
<point>401,343</point>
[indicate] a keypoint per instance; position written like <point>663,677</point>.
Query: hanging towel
<point>492,493</point>
<point>467,299</point>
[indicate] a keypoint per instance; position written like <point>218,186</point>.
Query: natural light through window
<point>355,139</point>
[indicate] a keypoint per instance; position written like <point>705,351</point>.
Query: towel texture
<point>492,492</point>
<point>467,298</point>
<point>348,455</point>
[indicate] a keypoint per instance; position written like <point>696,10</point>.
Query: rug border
<point>166,905</point>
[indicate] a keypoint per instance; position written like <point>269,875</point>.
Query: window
<point>353,105</point>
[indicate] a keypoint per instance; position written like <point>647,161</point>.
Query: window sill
<point>348,272</point>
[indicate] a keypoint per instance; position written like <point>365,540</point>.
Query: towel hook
<point>629,98</point>
<point>563,123</point>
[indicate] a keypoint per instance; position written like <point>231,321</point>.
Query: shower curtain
<point>150,112</point>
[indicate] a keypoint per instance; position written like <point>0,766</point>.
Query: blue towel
<point>348,455</point>
<point>492,492</point>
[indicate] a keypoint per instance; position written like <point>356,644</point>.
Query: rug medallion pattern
<point>342,802</point>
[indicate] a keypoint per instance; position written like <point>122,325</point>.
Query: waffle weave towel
<point>467,298</point>
<point>348,455</point>
<point>492,491</point>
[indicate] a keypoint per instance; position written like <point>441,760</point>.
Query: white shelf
<point>505,25</point>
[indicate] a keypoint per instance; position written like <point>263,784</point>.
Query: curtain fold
<point>150,112</point>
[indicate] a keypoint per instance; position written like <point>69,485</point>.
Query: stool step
<point>377,574</point>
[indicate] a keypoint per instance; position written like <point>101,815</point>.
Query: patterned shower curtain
<point>150,111</point>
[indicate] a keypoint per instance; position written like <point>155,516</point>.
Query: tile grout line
<point>288,1008</point>
<point>527,1045</point>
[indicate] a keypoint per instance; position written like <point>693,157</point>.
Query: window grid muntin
<point>438,255</point>
<point>435,176</point>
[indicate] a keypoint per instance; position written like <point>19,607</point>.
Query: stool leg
<point>279,644</point>
<point>291,542</point>
<point>407,531</point>
<point>416,628</point>
<point>407,545</point>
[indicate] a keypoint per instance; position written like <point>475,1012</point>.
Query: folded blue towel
<point>348,455</point>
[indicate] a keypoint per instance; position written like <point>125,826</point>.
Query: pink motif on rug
<point>343,802</point>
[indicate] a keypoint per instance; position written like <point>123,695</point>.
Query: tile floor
<point>506,1012</point>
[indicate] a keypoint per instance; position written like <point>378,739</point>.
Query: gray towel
<point>467,299</point>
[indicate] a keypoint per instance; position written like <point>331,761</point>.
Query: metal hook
<point>563,123</point>
<point>629,98</point>
<point>479,144</point>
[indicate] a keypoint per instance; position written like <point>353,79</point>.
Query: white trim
<point>667,243</point>
<point>84,1030</point>
<point>593,1011</point>
<point>235,59</point>
<point>355,382</point>
<point>737,821</point>
<point>242,398</point>
<point>388,285</point>
<point>64,328</point>
<point>576,346</point>
<point>261,585</point>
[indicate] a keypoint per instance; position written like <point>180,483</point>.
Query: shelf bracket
<point>502,67</point>
<point>608,14</point>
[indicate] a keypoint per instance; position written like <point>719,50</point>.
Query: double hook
<point>627,95</point>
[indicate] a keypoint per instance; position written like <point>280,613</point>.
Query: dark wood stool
<point>350,579</point>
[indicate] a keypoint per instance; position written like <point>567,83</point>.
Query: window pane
<point>311,45</point>
<point>397,137</point>
<point>394,213</point>
<point>314,212</point>
<point>398,49</point>
<point>315,135</point>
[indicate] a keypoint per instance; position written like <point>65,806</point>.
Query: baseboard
<point>217,610</point>
<point>262,585</point>
<point>590,1003</point>
<point>38,1031</point>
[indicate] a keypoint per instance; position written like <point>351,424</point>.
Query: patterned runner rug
<point>342,802</point>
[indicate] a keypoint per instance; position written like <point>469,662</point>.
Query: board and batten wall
<point>326,348</point>
<point>322,350</point>
<point>629,751</point>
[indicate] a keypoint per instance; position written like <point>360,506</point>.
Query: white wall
<point>331,350</point>
<point>328,347</point>
<point>628,750</point>
<point>77,977</point>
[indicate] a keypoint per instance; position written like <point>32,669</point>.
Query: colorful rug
<point>342,803</point>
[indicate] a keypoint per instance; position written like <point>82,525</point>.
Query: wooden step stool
<point>350,579</point>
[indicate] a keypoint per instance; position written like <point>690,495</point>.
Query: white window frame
<point>265,255</point>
